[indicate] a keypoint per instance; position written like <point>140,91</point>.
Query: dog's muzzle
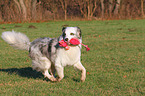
<point>66,39</point>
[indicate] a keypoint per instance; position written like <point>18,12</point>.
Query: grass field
<point>115,64</point>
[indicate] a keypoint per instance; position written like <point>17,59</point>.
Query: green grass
<point>115,64</point>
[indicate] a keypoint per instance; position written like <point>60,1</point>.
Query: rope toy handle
<point>87,48</point>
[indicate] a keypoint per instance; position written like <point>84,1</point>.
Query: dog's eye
<point>72,34</point>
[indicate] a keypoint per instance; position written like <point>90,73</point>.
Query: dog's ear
<point>63,29</point>
<point>79,33</point>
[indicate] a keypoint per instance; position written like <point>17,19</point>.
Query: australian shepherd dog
<point>47,55</point>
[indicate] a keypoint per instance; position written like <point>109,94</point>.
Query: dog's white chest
<point>68,57</point>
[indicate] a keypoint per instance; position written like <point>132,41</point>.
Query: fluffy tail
<point>17,40</point>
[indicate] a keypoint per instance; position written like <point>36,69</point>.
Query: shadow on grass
<point>30,73</point>
<point>76,80</point>
<point>24,72</point>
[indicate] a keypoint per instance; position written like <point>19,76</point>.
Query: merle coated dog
<point>47,55</point>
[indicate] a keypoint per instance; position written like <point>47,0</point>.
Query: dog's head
<point>71,32</point>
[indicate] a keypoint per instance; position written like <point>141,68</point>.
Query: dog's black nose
<point>66,39</point>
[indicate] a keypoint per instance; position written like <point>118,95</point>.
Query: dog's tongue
<point>73,41</point>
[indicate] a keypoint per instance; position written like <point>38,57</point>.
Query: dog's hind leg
<point>80,67</point>
<point>46,62</point>
<point>43,64</point>
<point>52,70</point>
<point>51,77</point>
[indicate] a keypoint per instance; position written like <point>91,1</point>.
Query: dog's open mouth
<point>73,42</point>
<point>67,42</point>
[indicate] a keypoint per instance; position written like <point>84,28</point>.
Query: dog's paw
<point>83,79</point>
<point>59,79</point>
<point>53,79</point>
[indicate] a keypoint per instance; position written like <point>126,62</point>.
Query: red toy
<point>73,41</point>
<point>62,43</point>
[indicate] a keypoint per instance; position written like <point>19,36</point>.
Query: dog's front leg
<point>80,67</point>
<point>60,72</point>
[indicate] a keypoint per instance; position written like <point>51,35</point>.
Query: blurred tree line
<point>43,10</point>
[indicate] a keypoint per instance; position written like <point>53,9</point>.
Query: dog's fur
<point>47,54</point>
